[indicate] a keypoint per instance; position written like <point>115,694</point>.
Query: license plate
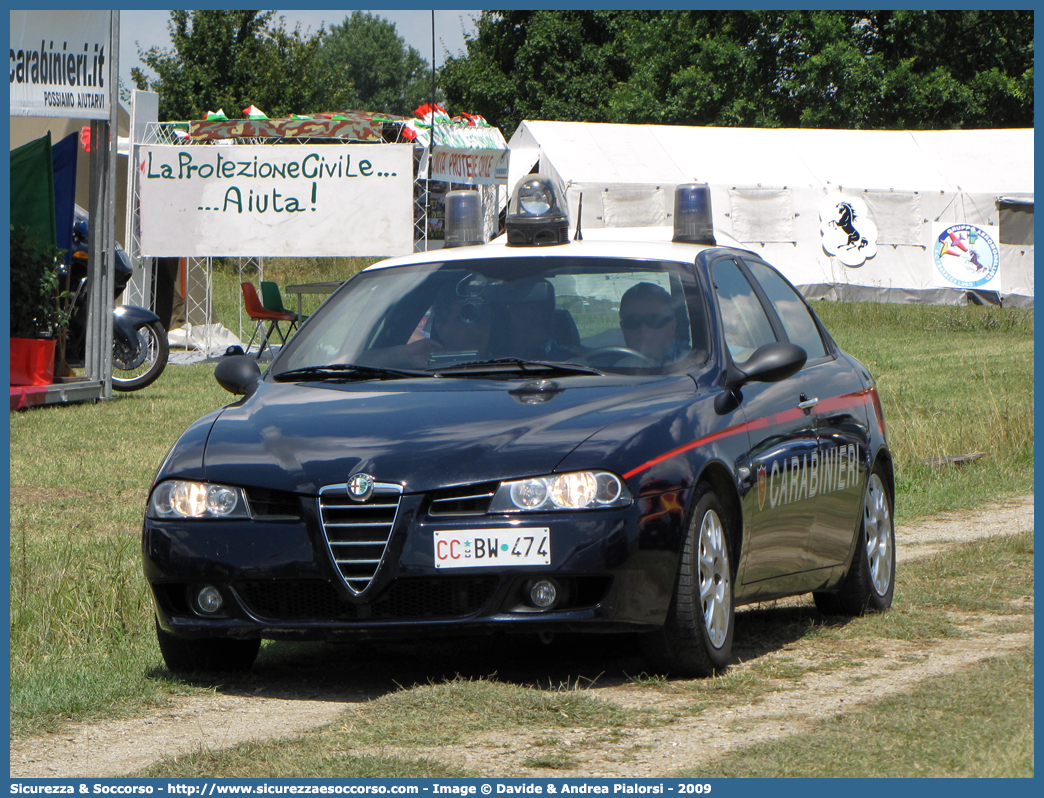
<point>470,548</point>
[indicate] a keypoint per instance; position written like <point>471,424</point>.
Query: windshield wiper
<point>514,364</point>
<point>343,371</point>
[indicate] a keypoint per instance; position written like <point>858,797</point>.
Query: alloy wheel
<point>877,521</point>
<point>715,595</point>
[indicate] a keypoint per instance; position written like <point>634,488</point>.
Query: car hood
<point>419,433</point>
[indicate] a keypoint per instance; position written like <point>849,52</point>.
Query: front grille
<point>357,532</point>
<point>428,598</point>
<point>464,500</point>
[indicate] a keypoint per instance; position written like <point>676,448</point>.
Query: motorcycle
<point>139,341</point>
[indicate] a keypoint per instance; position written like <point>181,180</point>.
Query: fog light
<point>543,593</point>
<point>209,600</point>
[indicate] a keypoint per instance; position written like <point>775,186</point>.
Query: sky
<point>145,29</point>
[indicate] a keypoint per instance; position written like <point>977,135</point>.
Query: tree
<point>697,68</point>
<point>368,66</point>
<point>230,60</point>
<point>839,69</point>
<point>539,65</point>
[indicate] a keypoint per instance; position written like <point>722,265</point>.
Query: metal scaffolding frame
<point>491,211</point>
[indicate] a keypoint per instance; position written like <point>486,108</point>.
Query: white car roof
<point>604,242</point>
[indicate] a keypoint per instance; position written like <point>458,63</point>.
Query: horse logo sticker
<point>848,232</point>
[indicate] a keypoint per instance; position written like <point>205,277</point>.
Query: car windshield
<point>501,316</point>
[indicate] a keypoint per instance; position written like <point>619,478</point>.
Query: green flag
<point>32,188</point>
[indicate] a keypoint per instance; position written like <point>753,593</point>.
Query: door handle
<point>806,403</point>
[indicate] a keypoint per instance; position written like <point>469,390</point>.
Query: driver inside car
<point>649,325</point>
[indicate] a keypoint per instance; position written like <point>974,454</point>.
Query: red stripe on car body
<point>845,401</point>
<point>866,396</point>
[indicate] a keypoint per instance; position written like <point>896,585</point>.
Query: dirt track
<point>118,748</point>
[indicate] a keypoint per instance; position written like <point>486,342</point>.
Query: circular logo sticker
<point>966,255</point>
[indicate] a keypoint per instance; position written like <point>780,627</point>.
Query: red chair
<point>257,312</point>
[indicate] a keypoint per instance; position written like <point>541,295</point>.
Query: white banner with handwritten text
<point>276,200</point>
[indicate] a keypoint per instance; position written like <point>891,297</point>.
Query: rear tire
<point>870,583</point>
<point>696,638</point>
<point>207,654</point>
<point>152,336</point>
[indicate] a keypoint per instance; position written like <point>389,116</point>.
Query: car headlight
<point>577,490</point>
<point>179,498</point>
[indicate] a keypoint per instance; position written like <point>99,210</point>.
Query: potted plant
<point>37,313</point>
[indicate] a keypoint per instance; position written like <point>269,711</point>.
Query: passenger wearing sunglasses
<point>649,324</point>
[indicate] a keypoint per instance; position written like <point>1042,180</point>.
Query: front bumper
<point>615,570</point>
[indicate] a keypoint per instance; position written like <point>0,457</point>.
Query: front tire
<point>696,638</point>
<point>870,583</point>
<point>130,372</point>
<point>208,654</point>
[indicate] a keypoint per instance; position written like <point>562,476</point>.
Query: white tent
<point>767,187</point>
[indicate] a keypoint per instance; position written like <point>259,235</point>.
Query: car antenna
<point>579,207</point>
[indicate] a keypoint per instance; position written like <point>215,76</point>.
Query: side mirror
<point>238,374</point>
<point>770,363</point>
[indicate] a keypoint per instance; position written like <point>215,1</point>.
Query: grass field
<point>910,734</point>
<point>953,381</point>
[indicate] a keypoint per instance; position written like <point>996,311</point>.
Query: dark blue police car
<point>638,431</point>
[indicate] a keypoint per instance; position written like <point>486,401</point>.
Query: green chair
<point>272,299</point>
